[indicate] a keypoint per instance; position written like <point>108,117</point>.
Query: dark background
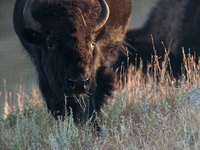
<point>15,66</point>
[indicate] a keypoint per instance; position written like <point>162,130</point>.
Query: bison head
<point>64,35</point>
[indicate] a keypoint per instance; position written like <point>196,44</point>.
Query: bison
<point>73,43</point>
<point>176,24</point>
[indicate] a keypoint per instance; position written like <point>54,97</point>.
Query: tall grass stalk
<point>141,114</point>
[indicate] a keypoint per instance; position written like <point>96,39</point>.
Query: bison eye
<point>50,45</point>
<point>92,47</point>
<point>93,44</point>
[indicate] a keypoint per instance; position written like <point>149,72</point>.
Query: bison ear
<point>32,36</point>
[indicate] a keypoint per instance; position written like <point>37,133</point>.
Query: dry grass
<point>142,114</point>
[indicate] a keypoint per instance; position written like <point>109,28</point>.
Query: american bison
<point>72,44</point>
<point>176,23</point>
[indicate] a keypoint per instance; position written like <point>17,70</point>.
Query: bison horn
<point>103,17</point>
<point>28,18</point>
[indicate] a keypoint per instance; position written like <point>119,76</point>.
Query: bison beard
<point>72,44</point>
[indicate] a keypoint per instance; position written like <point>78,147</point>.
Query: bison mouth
<point>76,97</point>
<point>80,99</point>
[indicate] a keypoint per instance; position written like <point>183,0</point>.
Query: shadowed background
<point>15,66</point>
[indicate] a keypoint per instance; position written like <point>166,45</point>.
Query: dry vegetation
<point>141,114</point>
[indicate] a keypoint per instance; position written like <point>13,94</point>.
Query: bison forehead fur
<point>72,43</point>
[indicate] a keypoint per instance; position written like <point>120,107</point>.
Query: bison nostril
<point>71,84</point>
